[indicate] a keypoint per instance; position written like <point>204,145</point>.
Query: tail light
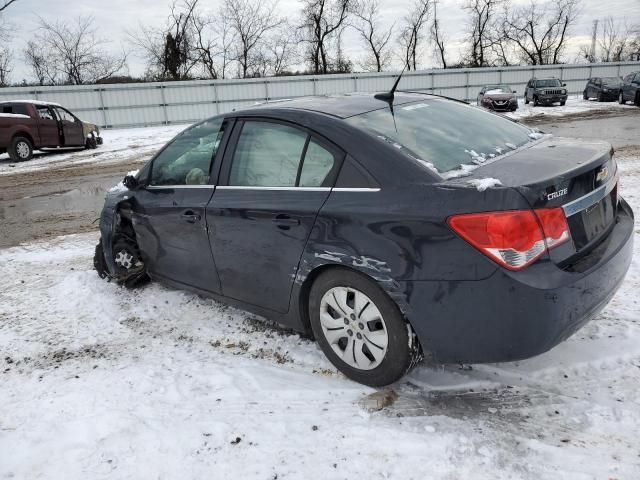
<point>515,238</point>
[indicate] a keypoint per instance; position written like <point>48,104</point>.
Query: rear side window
<point>16,109</point>
<point>275,155</point>
<point>318,163</point>
<point>187,159</point>
<point>444,133</point>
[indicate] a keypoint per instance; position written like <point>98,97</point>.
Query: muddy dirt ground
<point>67,198</point>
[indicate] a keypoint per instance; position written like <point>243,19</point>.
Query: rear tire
<point>20,149</point>
<point>585,96</point>
<point>600,97</point>
<point>526,100</point>
<point>360,329</point>
<point>563,103</point>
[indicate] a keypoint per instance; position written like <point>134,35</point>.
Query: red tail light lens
<point>516,238</point>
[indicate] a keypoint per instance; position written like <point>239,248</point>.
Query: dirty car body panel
<point>383,211</point>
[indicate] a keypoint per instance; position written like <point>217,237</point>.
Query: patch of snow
<point>483,183</point>
<point>13,115</point>
<point>496,91</point>
<point>575,104</point>
<point>120,186</point>
<point>121,146</point>
<point>461,171</point>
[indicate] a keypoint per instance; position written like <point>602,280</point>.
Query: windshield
<point>444,133</point>
<point>498,89</point>
<point>611,81</point>
<point>550,82</point>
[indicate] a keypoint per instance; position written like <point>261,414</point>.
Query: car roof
<point>34,102</point>
<point>340,106</point>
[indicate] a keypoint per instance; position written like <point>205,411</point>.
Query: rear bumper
<point>515,315</point>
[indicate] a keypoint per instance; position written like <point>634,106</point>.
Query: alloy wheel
<point>124,259</point>
<point>23,150</point>
<point>354,327</point>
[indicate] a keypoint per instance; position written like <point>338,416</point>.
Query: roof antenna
<point>389,96</point>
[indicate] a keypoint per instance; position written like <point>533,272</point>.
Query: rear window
<point>444,133</point>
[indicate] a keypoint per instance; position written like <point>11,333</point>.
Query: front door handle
<point>190,216</point>
<point>285,222</point>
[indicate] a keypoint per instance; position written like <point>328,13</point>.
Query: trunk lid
<point>578,175</point>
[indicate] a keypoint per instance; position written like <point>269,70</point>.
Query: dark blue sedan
<point>386,229</point>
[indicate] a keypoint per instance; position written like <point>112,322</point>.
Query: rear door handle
<point>284,221</point>
<point>190,216</point>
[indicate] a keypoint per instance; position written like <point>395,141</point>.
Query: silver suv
<point>545,91</point>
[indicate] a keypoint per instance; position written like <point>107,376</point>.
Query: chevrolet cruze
<point>387,227</point>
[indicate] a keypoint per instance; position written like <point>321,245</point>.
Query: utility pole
<point>592,51</point>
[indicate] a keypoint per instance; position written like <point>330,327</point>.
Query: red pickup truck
<point>28,125</point>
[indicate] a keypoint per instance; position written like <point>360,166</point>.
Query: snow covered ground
<point>575,105</point>
<point>100,382</point>
<point>118,144</point>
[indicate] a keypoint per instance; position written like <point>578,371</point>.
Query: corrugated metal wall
<point>142,104</point>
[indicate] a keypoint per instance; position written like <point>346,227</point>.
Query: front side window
<point>64,115</point>
<point>44,113</point>
<point>187,159</point>
<point>443,133</point>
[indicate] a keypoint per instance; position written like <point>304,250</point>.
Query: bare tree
<point>213,44</point>
<point>412,33</point>
<point>41,62</point>
<point>282,49</point>
<point>480,30</point>
<point>168,50</point>
<point>6,58</point>
<point>540,30</point>
<point>374,36</point>
<point>322,21</point>
<point>78,54</point>
<point>251,20</point>
<point>438,37</point>
<point>613,40</point>
<point>6,4</point>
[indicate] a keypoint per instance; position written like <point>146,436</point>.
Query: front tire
<point>20,149</point>
<point>585,96</point>
<point>360,329</point>
<point>535,101</point>
<point>91,143</point>
<point>621,100</point>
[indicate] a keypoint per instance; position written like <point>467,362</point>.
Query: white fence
<point>142,104</point>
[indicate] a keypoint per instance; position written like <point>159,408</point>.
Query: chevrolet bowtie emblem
<point>602,175</point>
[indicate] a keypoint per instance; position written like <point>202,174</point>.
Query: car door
<point>72,131</point>
<point>168,212</point>
<point>48,127</point>
<point>273,182</point>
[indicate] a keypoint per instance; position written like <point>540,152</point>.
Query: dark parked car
<point>545,91</point>
<point>343,218</point>
<point>26,125</point>
<point>630,89</point>
<point>500,98</point>
<point>605,89</point>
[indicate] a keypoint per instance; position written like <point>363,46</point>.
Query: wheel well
<point>308,283</point>
<point>25,135</point>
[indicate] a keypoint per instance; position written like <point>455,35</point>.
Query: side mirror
<point>515,91</point>
<point>130,182</point>
<point>564,84</point>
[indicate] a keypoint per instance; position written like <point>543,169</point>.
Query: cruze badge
<point>559,193</point>
<point>602,175</point>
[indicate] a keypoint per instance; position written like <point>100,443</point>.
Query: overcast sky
<point>115,17</point>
